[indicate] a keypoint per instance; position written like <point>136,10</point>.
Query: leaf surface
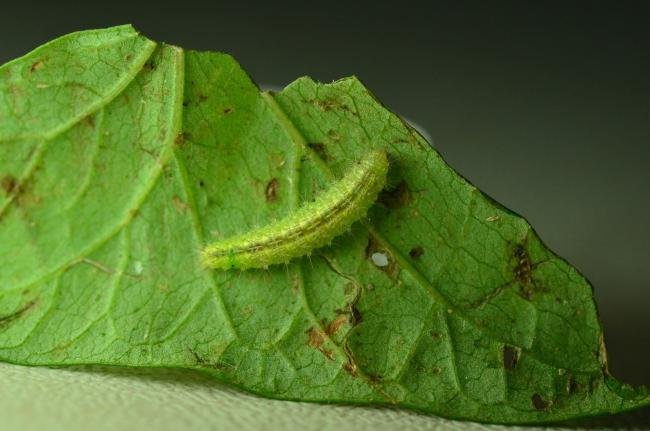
<point>120,159</point>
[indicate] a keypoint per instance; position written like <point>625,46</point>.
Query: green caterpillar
<point>313,225</point>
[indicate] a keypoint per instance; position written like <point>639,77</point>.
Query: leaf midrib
<point>298,140</point>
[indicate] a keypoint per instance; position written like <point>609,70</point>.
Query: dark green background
<point>545,108</point>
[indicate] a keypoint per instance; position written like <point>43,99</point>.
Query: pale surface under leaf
<point>171,400</point>
<point>120,159</point>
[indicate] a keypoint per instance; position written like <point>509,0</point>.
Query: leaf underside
<point>121,158</point>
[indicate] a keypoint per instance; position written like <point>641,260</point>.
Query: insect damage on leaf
<point>130,156</point>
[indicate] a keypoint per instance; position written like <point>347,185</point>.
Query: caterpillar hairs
<point>311,226</point>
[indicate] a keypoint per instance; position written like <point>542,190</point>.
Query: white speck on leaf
<point>379,259</point>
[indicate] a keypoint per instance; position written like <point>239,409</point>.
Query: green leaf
<point>120,159</point>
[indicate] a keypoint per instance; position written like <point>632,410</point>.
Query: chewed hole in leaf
<point>271,191</point>
<point>396,197</point>
<point>416,252</point>
<point>319,149</point>
<point>510,357</point>
<point>539,403</point>
<point>381,258</point>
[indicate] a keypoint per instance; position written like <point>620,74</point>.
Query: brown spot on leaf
<point>36,66</point>
<point>207,363</point>
<point>371,247</point>
<point>20,191</point>
<point>179,204</point>
<point>350,367</point>
<point>375,378</point>
<point>180,139</point>
<point>539,403</point>
<point>319,149</point>
<point>523,266</point>
<point>89,120</point>
<point>329,104</point>
<point>228,110</point>
<point>510,357</point>
<point>356,315</point>
<point>374,248</point>
<point>350,312</point>
<point>601,354</point>
<point>416,252</point>
<point>11,317</point>
<point>272,190</point>
<point>317,339</point>
<point>572,385</point>
<point>201,98</point>
<point>397,197</point>
<point>334,135</point>
<point>523,271</point>
<point>149,66</point>
<point>336,324</point>
<point>328,353</point>
<point>163,287</point>
<point>9,183</point>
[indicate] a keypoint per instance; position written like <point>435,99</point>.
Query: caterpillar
<point>311,226</point>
